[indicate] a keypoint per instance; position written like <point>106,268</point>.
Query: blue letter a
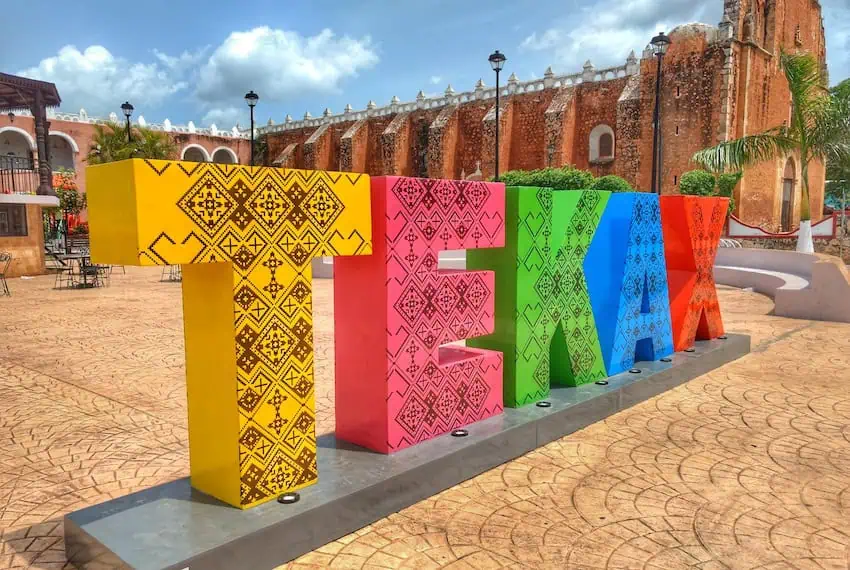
<point>627,280</point>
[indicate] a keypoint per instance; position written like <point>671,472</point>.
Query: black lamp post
<point>251,98</point>
<point>127,109</point>
<point>497,62</point>
<point>660,43</point>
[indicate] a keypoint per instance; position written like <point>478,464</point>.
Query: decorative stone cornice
<point>451,97</point>
<point>190,129</point>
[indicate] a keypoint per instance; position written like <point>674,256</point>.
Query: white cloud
<point>607,36</point>
<point>547,40</point>
<point>436,79</point>
<point>275,63</point>
<point>278,64</point>
<point>225,117</point>
<point>99,81</point>
<point>183,62</point>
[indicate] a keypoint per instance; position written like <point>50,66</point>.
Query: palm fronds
<point>110,144</point>
<point>736,154</point>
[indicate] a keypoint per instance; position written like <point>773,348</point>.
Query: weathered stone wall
<point>765,27</point>
<point>596,104</point>
<point>718,84</point>
<point>27,251</point>
<point>838,246</point>
<point>690,93</point>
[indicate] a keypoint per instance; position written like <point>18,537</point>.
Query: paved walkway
<point>745,467</point>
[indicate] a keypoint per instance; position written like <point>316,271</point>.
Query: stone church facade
<point>719,83</point>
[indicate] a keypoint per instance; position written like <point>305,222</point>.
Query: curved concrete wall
<point>792,262</point>
<point>760,282</point>
<point>803,286</point>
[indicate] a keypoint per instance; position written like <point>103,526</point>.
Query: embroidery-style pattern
<point>268,224</point>
<point>692,228</point>
<point>630,280</point>
<point>548,317</point>
<point>418,388</point>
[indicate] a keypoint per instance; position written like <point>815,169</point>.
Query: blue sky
<point>195,60</point>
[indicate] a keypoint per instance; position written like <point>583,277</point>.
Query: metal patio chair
<point>5,262</point>
<point>172,273</point>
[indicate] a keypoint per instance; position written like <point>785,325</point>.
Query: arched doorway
<point>195,153</point>
<point>789,178</point>
<point>224,155</point>
<point>16,149</point>
<point>61,151</point>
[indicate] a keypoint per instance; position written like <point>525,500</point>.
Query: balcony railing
<point>18,175</point>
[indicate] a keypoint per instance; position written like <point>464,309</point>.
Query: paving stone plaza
<point>745,467</point>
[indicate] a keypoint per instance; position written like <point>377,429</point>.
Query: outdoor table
<point>83,259</point>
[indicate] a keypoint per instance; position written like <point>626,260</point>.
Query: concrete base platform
<point>175,528</point>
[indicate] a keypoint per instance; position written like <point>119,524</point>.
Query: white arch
<point>197,146</point>
<point>21,132</point>
<point>595,135</point>
<point>229,151</point>
<point>67,137</point>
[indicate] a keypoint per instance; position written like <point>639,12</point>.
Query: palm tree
<point>110,144</point>
<point>819,130</point>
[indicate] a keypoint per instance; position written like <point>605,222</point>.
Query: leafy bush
<point>697,183</point>
<point>726,183</point>
<point>566,178</point>
<point>611,183</point>
<point>702,183</point>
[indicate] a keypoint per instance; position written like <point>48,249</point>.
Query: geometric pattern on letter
<point>631,282</point>
<point>545,312</point>
<point>268,224</point>
<point>692,228</point>
<point>416,388</point>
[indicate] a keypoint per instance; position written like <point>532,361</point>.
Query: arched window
<point>195,153</point>
<point>61,151</point>
<point>16,147</point>
<point>224,155</point>
<point>789,178</point>
<point>606,146</point>
<point>601,143</point>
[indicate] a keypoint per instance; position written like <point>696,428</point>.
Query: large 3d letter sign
<point>692,228</point>
<point>396,382</point>
<point>627,280</point>
<point>245,237</point>
<point>544,321</point>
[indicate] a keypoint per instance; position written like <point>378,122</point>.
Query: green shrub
<point>726,183</point>
<point>566,178</point>
<point>611,183</point>
<point>697,183</point>
<point>702,183</point>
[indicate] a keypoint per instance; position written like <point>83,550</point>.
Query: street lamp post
<point>127,109</point>
<point>497,62</point>
<point>660,43</point>
<point>251,98</point>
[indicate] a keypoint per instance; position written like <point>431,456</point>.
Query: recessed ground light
<point>460,433</point>
<point>692,349</point>
<point>666,359</point>
<point>723,337</point>
<point>602,382</point>
<point>289,498</point>
<point>544,404</point>
<point>635,371</point>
